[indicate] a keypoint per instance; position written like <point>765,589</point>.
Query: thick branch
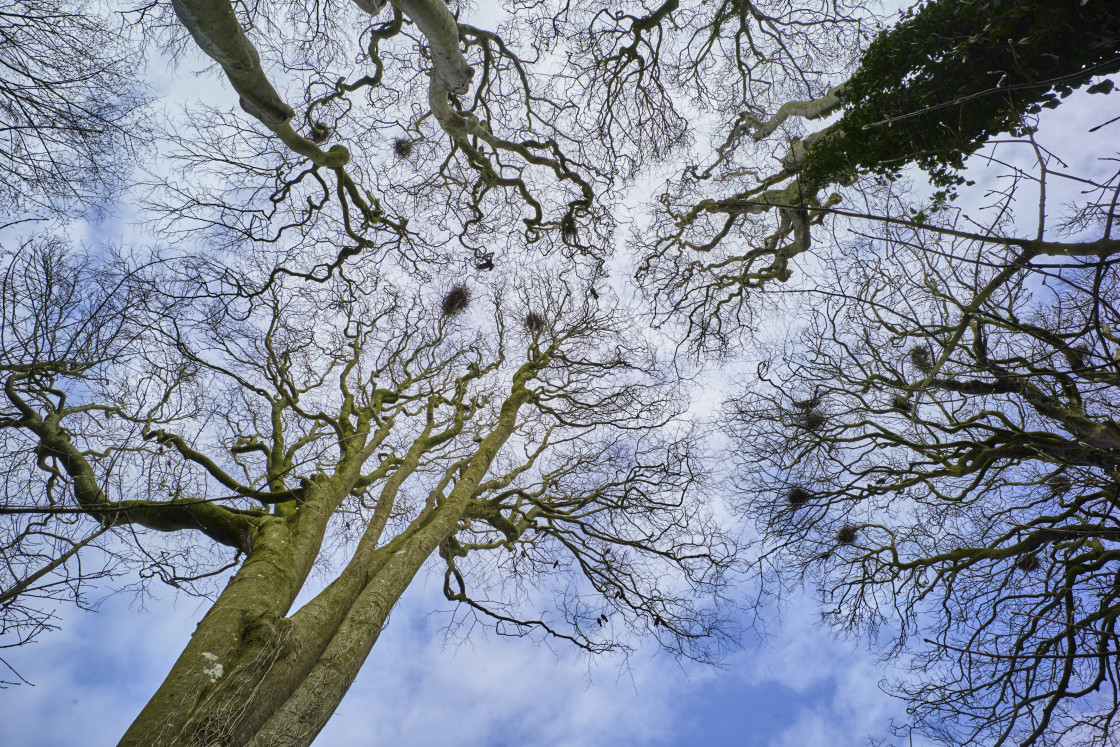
<point>218,523</point>
<point>440,28</point>
<point>804,109</point>
<point>214,27</point>
<point>305,713</point>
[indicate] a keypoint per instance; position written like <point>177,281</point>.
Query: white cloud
<point>418,687</point>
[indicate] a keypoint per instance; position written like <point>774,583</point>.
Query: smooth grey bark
<point>214,27</point>
<point>440,28</point>
<point>804,109</point>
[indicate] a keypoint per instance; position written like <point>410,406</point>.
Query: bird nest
<point>535,323</point>
<point>847,534</point>
<point>921,358</point>
<point>798,496</point>
<point>402,148</point>
<point>456,300</point>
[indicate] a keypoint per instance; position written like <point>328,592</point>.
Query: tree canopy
<point>378,317</point>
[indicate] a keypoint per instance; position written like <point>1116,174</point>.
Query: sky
<point>801,686</point>
<point>420,687</point>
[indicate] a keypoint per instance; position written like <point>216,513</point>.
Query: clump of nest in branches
<point>568,227</point>
<point>807,415</point>
<point>901,403</point>
<point>847,534</point>
<point>319,132</point>
<point>811,420</point>
<point>921,359</point>
<point>402,148</point>
<point>1026,563</point>
<point>456,300</point>
<point>797,496</point>
<point>535,323</point>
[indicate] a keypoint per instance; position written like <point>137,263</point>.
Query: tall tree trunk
<point>250,675</point>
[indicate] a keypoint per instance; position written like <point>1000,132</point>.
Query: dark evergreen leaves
<point>953,74</point>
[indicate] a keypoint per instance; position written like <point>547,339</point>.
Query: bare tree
<point>527,443</point>
<point>376,332</point>
<point>933,446</point>
<point>209,411</point>
<point>447,144</point>
<point>525,132</point>
<point>70,116</point>
<point>936,450</point>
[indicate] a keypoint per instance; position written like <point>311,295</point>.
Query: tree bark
<point>250,675</point>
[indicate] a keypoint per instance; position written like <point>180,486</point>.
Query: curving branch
<point>226,526</point>
<point>440,28</point>
<point>214,27</point>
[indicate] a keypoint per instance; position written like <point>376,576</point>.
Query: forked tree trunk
<point>250,675</point>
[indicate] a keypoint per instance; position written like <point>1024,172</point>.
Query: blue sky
<point>421,687</point>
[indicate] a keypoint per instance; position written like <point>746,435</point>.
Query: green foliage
<point>954,73</point>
